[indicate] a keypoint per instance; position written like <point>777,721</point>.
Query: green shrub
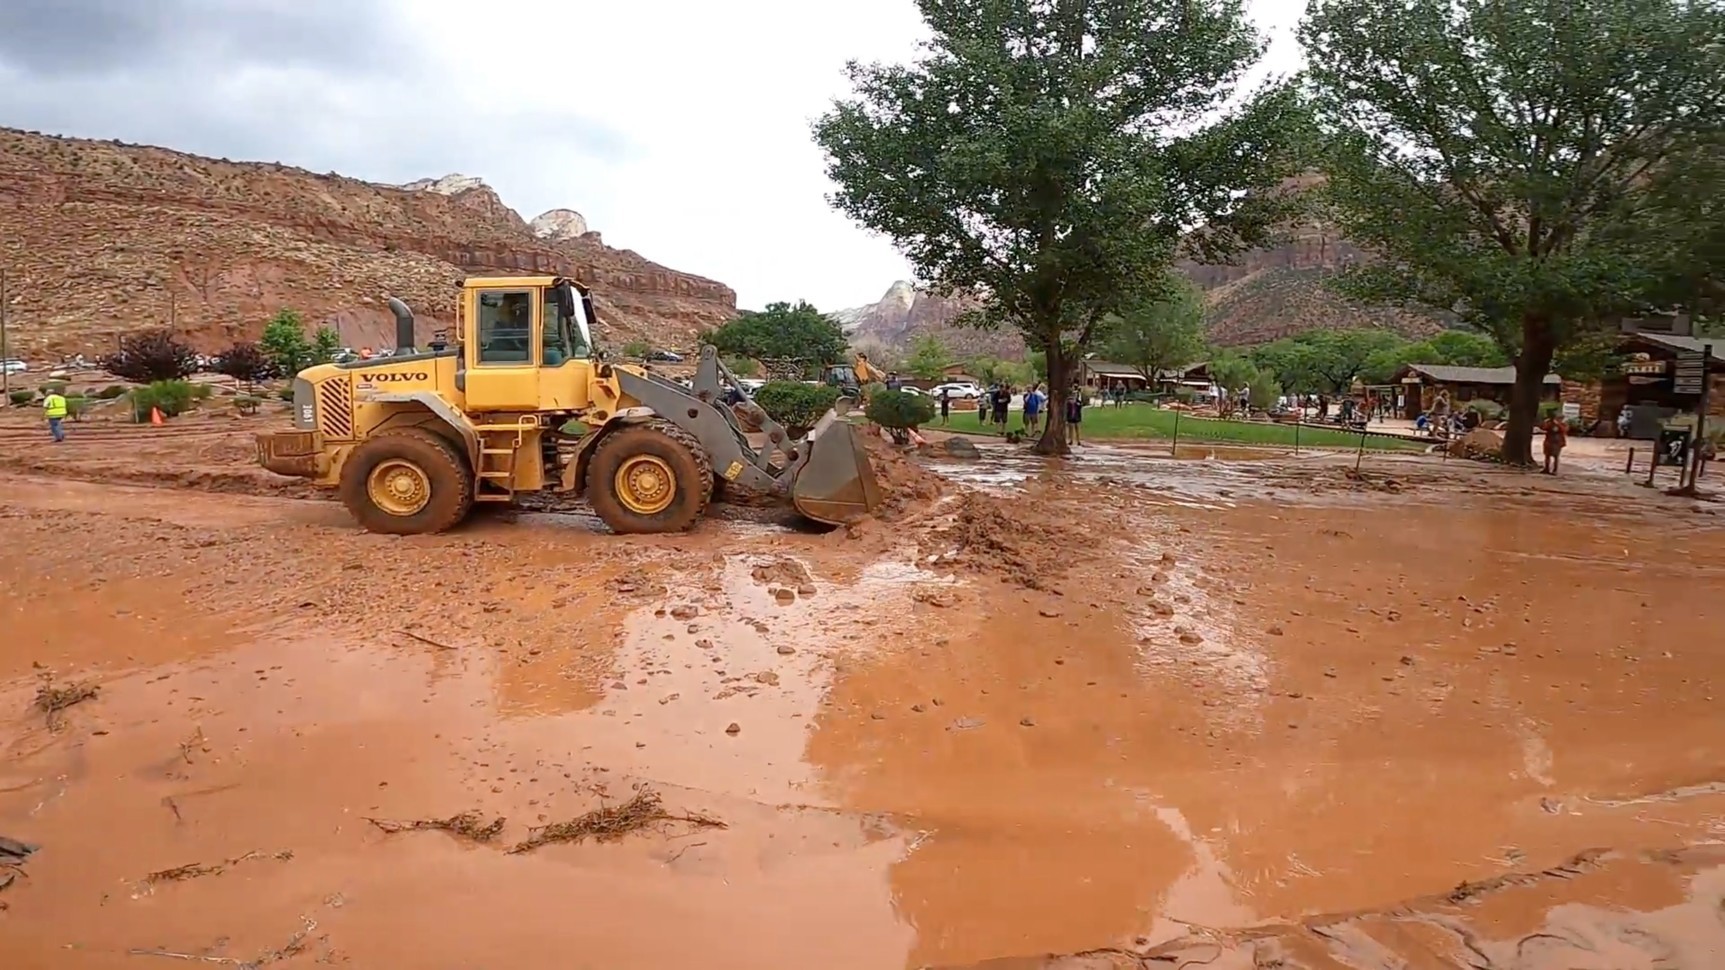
<point>1486,409</point>
<point>21,398</point>
<point>1549,409</point>
<point>202,392</point>
<point>169,397</point>
<point>637,349</point>
<point>53,387</point>
<point>900,409</point>
<point>247,403</point>
<point>796,405</point>
<point>77,406</point>
<point>111,391</point>
<point>285,394</point>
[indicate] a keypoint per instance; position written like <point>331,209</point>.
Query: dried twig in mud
<point>467,825</point>
<point>51,698</point>
<point>609,823</point>
<point>192,743</point>
<point>426,640</point>
<point>194,870</point>
<point>293,947</point>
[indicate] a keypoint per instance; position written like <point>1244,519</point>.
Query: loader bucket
<point>837,484</point>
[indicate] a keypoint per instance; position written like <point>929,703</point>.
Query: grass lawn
<point>1135,421</point>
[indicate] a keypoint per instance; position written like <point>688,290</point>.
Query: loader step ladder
<point>498,445</point>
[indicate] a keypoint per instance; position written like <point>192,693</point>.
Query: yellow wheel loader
<point>524,403</point>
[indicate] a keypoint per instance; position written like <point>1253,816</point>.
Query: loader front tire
<point>650,477</point>
<point>407,482</point>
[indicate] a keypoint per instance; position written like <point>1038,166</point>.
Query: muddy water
<point>1255,708</point>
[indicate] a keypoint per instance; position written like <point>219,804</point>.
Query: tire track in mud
<point>1448,930</point>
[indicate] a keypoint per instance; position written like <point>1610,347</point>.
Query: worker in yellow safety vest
<point>54,409</point>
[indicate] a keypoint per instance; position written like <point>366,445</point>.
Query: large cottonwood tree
<point>1057,156</point>
<point>1541,168</point>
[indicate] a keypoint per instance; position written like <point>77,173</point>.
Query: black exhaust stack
<point>403,326</point>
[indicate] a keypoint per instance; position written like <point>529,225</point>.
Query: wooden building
<point>1419,386</point>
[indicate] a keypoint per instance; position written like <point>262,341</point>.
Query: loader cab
<point>527,344</point>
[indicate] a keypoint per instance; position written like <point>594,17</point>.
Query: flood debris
<point>295,945</point>
<point>195,870</point>
<point>12,856</point>
<point>608,823</point>
<point>466,825</point>
<point>53,699</point>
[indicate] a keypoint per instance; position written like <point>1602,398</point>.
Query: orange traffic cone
<point>156,417</point>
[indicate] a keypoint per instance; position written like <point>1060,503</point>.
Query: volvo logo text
<point>398,378</point>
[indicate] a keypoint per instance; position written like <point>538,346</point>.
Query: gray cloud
<point>69,38</point>
<point>324,84</point>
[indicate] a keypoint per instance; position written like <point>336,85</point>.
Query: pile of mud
<point>1021,541</point>
<point>906,487</point>
<point>1478,444</point>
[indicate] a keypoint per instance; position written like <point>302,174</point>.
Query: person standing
<point>1002,402</point>
<point>1075,416</point>
<point>984,405</point>
<point>1556,436</point>
<point>1033,408</point>
<point>945,405</point>
<point>54,409</point>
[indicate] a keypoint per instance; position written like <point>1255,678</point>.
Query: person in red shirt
<point>1556,436</point>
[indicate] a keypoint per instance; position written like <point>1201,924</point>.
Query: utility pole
<point>5,369</point>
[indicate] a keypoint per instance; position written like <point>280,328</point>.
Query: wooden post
<point>1629,466</point>
<point>1174,452</point>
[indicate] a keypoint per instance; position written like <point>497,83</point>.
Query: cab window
<point>505,326</point>
<point>562,337</point>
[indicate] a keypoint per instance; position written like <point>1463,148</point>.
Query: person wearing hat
<point>54,409</point>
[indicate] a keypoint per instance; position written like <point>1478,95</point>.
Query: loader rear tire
<point>407,482</point>
<point>650,477</point>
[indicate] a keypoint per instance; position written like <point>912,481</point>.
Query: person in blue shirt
<point>1033,408</point>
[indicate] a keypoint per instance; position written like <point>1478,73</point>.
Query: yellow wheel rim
<point>646,485</point>
<point>398,486</point>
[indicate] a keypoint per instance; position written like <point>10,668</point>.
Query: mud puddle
<point>1202,477</point>
<point>1224,726</point>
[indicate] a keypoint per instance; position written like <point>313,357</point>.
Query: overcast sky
<point>679,128</point>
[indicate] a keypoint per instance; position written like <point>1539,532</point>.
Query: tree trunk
<point>1053,440</point>
<point>1531,366</point>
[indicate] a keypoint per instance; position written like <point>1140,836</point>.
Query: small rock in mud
<point>1026,722</point>
<point>783,595</point>
<point>781,572</point>
<point>687,611</point>
<point>1159,577</point>
<point>1191,639</point>
<point>1407,661</point>
<point>1275,631</point>
<point>704,644</point>
<point>806,589</point>
<point>735,728</point>
<point>786,650</point>
<point>936,597</point>
<point>917,708</point>
<point>1168,559</point>
<point>877,716</point>
<point>1330,672</point>
<point>1048,612</point>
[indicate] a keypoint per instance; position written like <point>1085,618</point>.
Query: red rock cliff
<point>100,238</point>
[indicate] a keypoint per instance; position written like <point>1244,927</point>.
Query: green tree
<point>1161,333</point>
<point>325,344</point>
<point>1539,168</point>
<point>928,357</point>
<point>1055,154</point>
<point>284,343</point>
<point>782,331</point>
<point>1462,348</point>
<point>1324,361</point>
<point>637,349</point>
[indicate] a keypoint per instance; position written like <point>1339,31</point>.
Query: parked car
<point>664,357</point>
<point>958,389</point>
<point>14,366</point>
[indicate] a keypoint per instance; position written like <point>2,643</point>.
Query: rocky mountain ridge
<point>100,238</point>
